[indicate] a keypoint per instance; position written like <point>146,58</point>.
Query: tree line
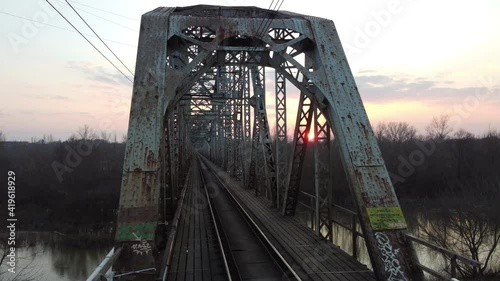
<point>65,185</point>
<point>443,163</point>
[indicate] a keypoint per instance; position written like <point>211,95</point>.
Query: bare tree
<point>462,144</point>
<point>492,134</point>
<point>48,138</point>
<point>463,134</point>
<point>105,136</point>
<point>28,272</point>
<point>2,136</point>
<point>439,128</point>
<point>4,250</point>
<point>380,131</point>
<point>468,229</point>
<point>84,133</point>
<point>44,139</point>
<point>396,132</point>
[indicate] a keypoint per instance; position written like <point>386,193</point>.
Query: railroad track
<point>246,251</point>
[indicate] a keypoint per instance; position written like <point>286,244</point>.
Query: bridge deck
<point>311,257</point>
<point>196,255</point>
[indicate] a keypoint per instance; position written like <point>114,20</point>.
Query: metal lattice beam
<point>322,176</point>
<point>281,136</point>
<point>302,128</point>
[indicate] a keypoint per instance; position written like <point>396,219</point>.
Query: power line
<point>100,39</point>
<point>271,19</point>
<point>89,41</point>
<point>62,28</point>
<point>129,18</point>
<point>263,20</point>
<point>103,18</point>
<point>261,34</point>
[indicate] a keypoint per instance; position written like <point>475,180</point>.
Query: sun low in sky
<point>311,136</point>
<point>412,60</point>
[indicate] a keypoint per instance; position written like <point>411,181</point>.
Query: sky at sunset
<point>412,60</point>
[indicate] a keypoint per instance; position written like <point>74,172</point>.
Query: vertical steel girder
<point>182,159</point>
<point>223,89</point>
<point>258,78</point>
<point>175,150</point>
<point>300,139</point>
<point>281,136</point>
<point>221,135</point>
<point>175,51</point>
<point>261,172</point>
<point>255,142</point>
<point>322,176</point>
<point>140,192</point>
<point>255,181</point>
<point>167,192</point>
<point>246,138</point>
<point>266,147</point>
<point>246,104</point>
<point>213,136</point>
<point>239,83</point>
<point>231,104</point>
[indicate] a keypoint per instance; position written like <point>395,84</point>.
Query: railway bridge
<point>214,184</point>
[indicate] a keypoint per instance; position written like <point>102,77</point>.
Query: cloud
<point>49,97</point>
<point>99,74</point>
<point>382,88</point>
<point>366,71</point>
<point>55,113</point>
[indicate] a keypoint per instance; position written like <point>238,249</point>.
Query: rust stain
<point>146,195</point>
<point>150,160</point>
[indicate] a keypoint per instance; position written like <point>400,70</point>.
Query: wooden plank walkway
<point>310,256</point>
<point>196,255</point>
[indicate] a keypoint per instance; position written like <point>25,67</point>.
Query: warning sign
<point>386,218</point>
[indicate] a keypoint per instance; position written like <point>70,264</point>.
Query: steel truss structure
<point>200,85</point>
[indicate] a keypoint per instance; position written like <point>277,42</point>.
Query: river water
<point>42,256</point>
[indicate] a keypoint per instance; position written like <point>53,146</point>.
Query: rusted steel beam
<point>300,139</point>
<point>281,137</point>
<point>381,217</point>
<point>322,176</point>
<point>139,200</point>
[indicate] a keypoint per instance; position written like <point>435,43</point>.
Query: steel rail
<point>262,236</point>
<point>217,232</point>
